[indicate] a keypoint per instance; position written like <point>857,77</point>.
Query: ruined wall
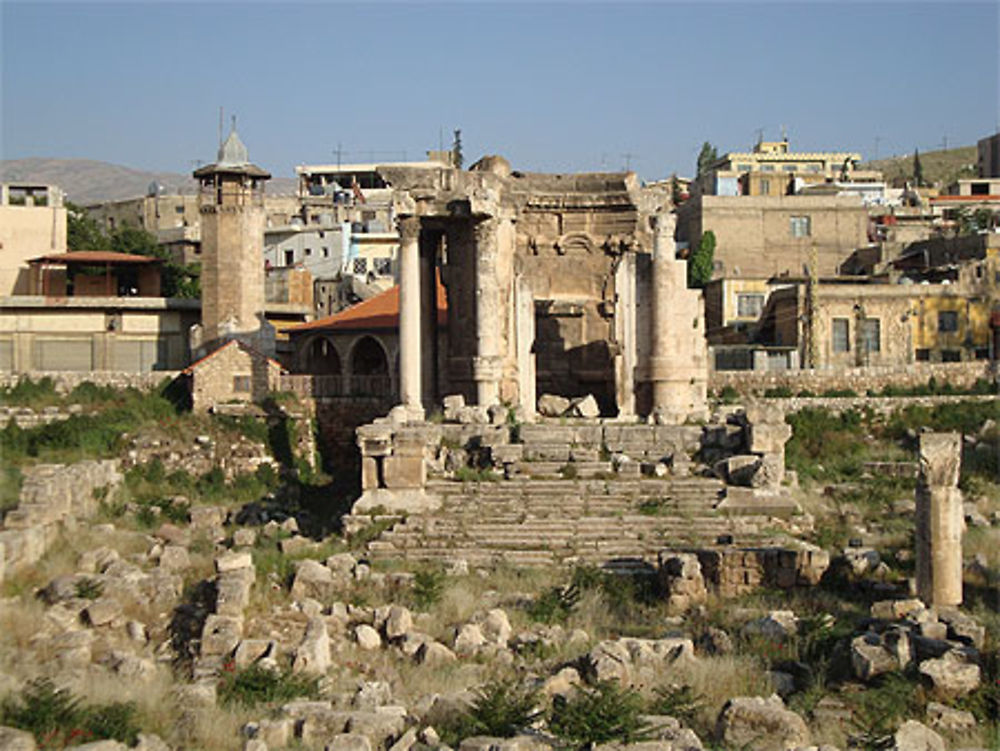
<point>859,380</point>
<point>52,497</point>
<point>65,382</point>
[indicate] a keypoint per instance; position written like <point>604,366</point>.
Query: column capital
<point>408,228</point>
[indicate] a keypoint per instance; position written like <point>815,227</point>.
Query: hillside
<point>88,181</point>
<point>943,166</point>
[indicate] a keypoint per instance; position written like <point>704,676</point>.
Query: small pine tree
<point>456,149</point>
<point>918,170</point>
<point>701,260</point>
<point>706,157</point>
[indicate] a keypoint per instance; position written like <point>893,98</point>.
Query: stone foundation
<point>730,572</point>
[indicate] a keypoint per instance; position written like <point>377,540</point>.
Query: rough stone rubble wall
<point>859,380</point>
<point>53,497</point>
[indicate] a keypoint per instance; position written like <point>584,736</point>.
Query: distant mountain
<point>940,167</point>
<point>87,181</point>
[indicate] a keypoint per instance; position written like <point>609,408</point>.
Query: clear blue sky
<point>554,87</point>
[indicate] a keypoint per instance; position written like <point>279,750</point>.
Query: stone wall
<point>730,572</point>
<point>66,381</point>
<point>26,418</point>
<point>860,380</point>
<point>52,497</point>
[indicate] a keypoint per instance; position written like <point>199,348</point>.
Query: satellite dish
<point>154,189</point>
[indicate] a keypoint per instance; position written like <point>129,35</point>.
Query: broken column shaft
<point>939,520</point>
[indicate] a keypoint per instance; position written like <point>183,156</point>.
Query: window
<point>749,305</point>
<point>923,355</point>
<point>767,168</point>
<point>742,167</point>
<point>951,355</point>
<point>383,266</point>
<point>800,226</point>
<point>360,266</point>
<point>789,168</point>
<point>765,187</point>
<point>983,353</point>
<point>947,321</point>
<point>814,168</point>
<point>289,257</point>
<point>309,251</point>
<point>326,252</point>
<point>841,335</point>
<point>241,384</point>
<point>871,335</point>
<point>980,189</point>
<point>179,209</point>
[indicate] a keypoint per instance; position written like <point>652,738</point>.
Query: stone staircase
<point>544,518</point>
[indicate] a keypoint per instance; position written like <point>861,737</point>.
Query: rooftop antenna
<point>220,126</point>
<point>234,123</point>
<point>760,136</point>
<point>628,160</point>
<point>784,134</point>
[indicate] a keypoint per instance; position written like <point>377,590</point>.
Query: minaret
<point>232,242</point>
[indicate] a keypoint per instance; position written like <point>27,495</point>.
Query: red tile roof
<point>379,312</point>
<point>94,256</point>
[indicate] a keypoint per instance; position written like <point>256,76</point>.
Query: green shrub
<point>28,393</point>
<point>428,586</point>
<point>823,437</point>
<point>259,685</point>
<point>554,605</point>
<point>778,392</point>
<point>89,589</point>
<point>877,711</point>
<point>600,714</point>
<point>728,395</point>
<point>11,480</point>
<point>56,718</point>
<point>503,708</point>
<point>833,393</point>
<point>474,474</point>
<point>682,702</point>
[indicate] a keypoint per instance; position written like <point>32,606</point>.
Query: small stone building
<point>235,372</point>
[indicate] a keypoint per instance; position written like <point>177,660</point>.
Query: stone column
<point>625,333</point>
<point>486,364</point>
<point>524,324</point>
<point>409,314</point>
<point>939,520</point>
<point>678,366</point>
<point>429,243</point>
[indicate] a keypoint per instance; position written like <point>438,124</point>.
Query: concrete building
<point>988,156</point>
<point>32,224</point>
<point>760,237</point>
<point>771,169</point>
<point>233,373</point>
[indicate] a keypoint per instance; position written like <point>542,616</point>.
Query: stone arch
<point>319,356</point>
<point>368,357</point>
<point>574,242</point>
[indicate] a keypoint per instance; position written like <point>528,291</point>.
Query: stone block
<point>769,437</point>
<point>404,472</point>
<point>221,635</point>
<point>233,561</point>
<point>102,611</point>
<point>552,405</point>
<point>369,472</point>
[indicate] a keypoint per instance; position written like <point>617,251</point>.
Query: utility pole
<point>877,139</point>
<point>628,160</point>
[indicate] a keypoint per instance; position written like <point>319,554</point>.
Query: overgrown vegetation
<point>257,684</point>
<point>602,713</point>
<point>57,718</point>
<point>501,708</point>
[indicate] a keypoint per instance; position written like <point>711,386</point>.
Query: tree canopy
<point>706,157</point>
<point>701,260</point>
<point>84,233</point>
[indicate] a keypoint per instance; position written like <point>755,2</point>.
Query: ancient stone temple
<point>561,284</point>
